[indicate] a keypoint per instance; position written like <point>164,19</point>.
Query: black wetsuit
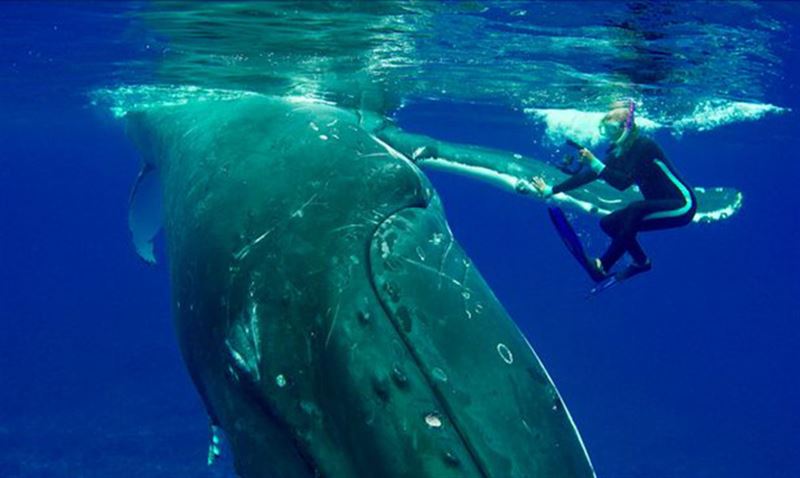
<point>668,201</point>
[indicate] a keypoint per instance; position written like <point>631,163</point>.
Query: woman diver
<point>631,159</point>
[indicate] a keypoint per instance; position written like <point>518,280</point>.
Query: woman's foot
<point>597,271</point>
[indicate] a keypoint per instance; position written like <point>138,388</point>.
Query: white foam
<point>715,113</point>
<point>583,126</point>
<point>577,125</point>
<point>122,99</point>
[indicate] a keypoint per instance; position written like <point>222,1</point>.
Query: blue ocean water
<point>688,371</point>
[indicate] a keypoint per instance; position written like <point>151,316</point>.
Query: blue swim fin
<point>624,274</point>
<point>573,243</point>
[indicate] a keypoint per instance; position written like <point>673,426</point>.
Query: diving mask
<point>611,129</point>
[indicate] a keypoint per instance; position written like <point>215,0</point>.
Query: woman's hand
<point>541,187</point>
<point>587,157</point>
<point>591,160</point>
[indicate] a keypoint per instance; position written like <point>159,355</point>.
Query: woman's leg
<point>623,225</point>
<point>612,225</point>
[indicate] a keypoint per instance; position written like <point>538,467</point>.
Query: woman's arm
<point>584,176</point>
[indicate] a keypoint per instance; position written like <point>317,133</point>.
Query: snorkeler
<point>631,159</point>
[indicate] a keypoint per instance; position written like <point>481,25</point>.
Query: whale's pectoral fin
<point>715,204</point>
<point>145,214</point>
<point>512,172</point>
<point>492,387</point>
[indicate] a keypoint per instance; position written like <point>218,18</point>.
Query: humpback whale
<point>327,316</point>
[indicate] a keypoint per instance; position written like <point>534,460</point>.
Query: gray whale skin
<point>329,320</point>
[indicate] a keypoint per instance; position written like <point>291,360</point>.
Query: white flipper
<point>145,212</point>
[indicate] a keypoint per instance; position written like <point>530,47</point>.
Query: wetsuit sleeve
<point>617,178</point>
<point>618,171</point>
<point>584,176</point>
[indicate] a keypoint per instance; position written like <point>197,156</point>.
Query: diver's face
<point>611,129</point>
